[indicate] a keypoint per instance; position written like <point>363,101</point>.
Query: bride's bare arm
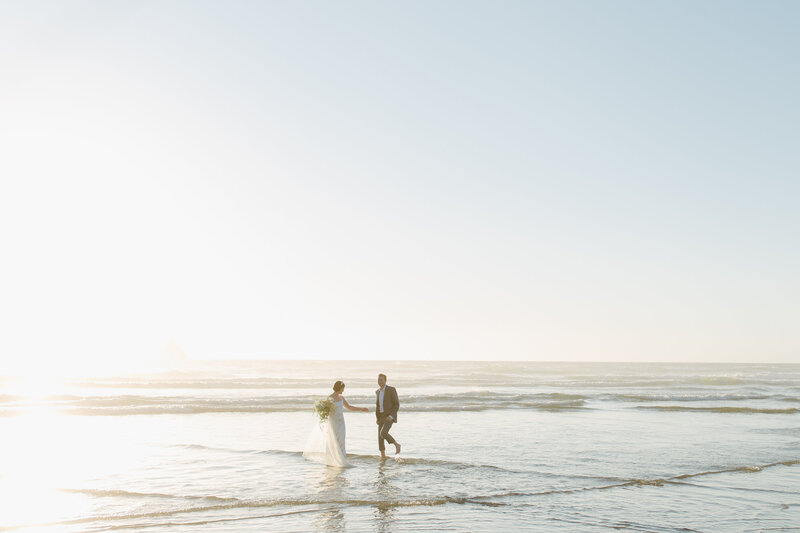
<point>348,406</point>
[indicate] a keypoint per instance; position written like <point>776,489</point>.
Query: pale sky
<point>562,180</point>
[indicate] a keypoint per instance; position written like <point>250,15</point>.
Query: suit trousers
<point>384,425</point>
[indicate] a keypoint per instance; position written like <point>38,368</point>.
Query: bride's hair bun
<point>338,386</point>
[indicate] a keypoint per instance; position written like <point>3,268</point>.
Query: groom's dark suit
<point>390,406</point>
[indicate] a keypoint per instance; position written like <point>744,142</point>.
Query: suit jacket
<point>390,403</point>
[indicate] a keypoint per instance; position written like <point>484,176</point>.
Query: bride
<point>325,444</point>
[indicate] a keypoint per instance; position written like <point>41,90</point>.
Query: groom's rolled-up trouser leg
<point>383,433</point>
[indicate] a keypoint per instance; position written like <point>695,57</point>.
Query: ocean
<point>487,446</point>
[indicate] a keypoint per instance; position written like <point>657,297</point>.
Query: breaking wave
<point>721,409</point>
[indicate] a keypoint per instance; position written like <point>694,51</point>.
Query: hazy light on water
<point>45,454</point>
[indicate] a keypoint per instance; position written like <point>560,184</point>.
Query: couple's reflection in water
<point>385,492</point>
<point>334,484</point>
<point>332,487</point>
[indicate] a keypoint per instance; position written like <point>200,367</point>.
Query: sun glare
<point>48,454</point>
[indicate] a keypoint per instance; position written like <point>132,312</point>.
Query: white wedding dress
<point>325,443</point>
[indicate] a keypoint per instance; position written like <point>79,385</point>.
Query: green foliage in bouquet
<point>323,408</point>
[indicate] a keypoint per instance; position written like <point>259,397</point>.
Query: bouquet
<point>323,408</point>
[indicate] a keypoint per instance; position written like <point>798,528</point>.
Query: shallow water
<point>486,447</point>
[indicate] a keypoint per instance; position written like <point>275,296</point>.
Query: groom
<point>386,405</point>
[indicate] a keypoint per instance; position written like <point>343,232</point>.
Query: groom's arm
<point>396,404</point>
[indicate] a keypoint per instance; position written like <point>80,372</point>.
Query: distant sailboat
<point>172,357</point>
